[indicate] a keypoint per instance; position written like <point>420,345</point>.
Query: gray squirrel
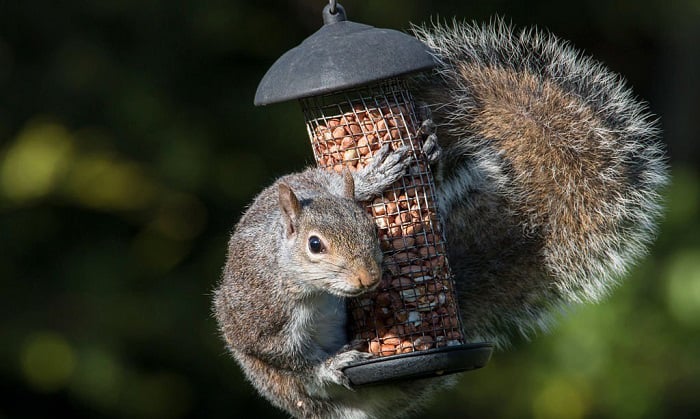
<point>548,177</point>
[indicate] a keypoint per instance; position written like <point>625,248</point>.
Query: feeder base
<point>421,364</point>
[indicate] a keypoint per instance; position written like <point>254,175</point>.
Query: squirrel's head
<point>331,241</point>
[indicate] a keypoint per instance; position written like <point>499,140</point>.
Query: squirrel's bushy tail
<point>558,163</point>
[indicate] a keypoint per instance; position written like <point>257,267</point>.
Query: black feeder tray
<point>350,80</point>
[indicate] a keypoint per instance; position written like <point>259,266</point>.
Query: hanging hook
<point>333,13</point>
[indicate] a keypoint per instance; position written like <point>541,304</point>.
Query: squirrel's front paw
<point>333,367</point>
<point>387,167</point>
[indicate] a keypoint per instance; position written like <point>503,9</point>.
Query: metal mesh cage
<point>414,307</point>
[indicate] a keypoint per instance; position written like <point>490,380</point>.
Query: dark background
<point>129,147</point>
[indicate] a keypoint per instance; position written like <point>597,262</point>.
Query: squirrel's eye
<point>316,245</point>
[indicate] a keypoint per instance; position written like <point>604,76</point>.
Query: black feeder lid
<point>339,56</point>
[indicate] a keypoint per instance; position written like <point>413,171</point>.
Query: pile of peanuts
<point>414,307</point>
<point>350,140</point>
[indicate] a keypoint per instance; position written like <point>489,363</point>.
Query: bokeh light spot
<point>559,399</point>
<point>47,361</point>
<point>98,378</point>
<point>683,287</point>
<point>35,162</point>
<point>105,182</point>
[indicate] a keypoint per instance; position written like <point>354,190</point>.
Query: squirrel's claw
<point>334,366</point>
<point>431,147</point>
<point>427,127</point>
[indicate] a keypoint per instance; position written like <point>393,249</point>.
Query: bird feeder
<point>351,81</point>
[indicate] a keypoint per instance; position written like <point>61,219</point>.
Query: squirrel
<point>303,246</point>
<point>548,175</point>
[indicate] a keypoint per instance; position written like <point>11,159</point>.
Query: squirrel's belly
<point>320,321</point>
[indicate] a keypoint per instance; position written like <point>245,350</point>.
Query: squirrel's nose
<point>365,278</point>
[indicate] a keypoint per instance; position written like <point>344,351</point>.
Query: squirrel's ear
<point>290,206</point>
<point>349,185</point>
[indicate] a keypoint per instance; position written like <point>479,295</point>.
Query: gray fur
<point>521,248</point>
<point>281,309</point>
<point>548,174</point>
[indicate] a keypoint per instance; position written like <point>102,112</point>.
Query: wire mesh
<point>414,307</point>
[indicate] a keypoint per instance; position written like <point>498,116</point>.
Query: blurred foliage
<point>129,146</point>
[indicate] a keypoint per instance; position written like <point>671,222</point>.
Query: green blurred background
<point>129,147</point>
